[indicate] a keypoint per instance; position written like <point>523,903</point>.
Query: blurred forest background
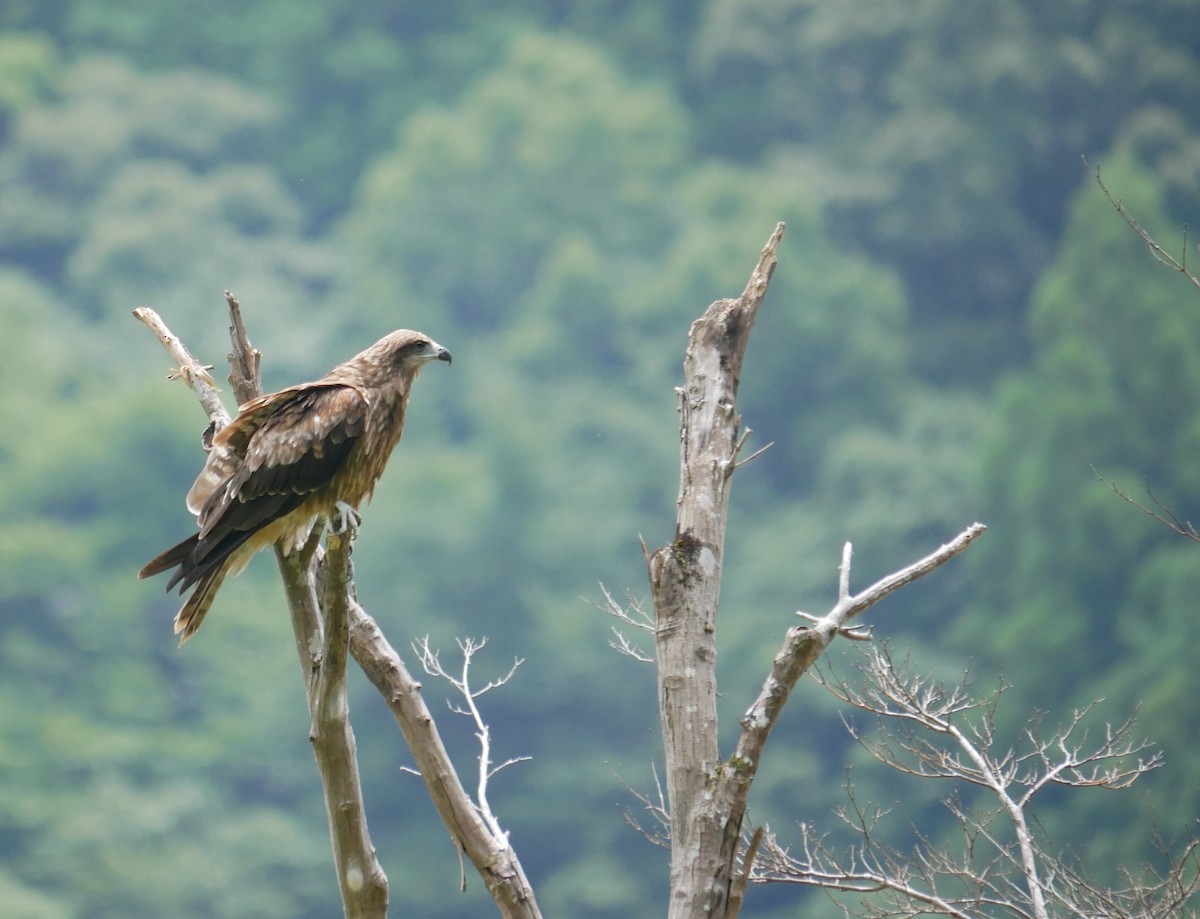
<point>960,325</point>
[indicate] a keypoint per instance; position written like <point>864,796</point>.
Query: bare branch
<point>862,869</point>
<point>844,572</point>
<point>360,876</point>
<point>852,632</point>
<point>738,894</point>
<point>635,617</point>
<point>848,607</point>
<point>735,463</point>
<point>623,645</point>
<point>1166,517</point>
<point>462,683</point>
<point>657,808</point>
<point>245,360</point>
<point>803,646</point>
<point>707,795</point>
<point>190,370</point>
<point>930,730</point>
<point>1160,254</point>
<point>685,578</point>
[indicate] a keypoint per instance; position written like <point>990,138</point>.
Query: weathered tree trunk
<point>685,581</point>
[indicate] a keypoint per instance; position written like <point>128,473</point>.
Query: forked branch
<point>1159,512</point>
<point>432,663</point>
<point>493,857</point>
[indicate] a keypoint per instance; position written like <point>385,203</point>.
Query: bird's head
<point>398,355</point>
<point>405,348</point>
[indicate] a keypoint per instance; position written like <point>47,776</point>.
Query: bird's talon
<point>345,519</point>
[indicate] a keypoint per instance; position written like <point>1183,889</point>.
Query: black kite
<point>291,458</point>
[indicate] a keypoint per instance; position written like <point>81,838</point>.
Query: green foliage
<point>950,132</point>
<point>27,62</point>
<point>1109,340</point>
<point>579,149</point>
<point>1070,570</point>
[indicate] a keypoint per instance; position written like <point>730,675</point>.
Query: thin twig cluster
<point>461,682</point>
<point>1001,864</point>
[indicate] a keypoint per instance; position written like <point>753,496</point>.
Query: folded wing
<point>280,451</point>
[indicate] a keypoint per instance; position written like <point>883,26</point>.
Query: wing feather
<point>231,442</point>
<point>299,441</point>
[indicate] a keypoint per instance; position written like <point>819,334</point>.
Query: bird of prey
<point>291,460</point>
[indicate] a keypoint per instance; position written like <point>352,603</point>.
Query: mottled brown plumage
<point>291,458</point>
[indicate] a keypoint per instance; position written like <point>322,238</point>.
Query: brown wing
<point>279,453</point>
<point>231,443</point>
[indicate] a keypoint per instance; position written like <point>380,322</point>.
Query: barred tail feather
<point>189,617</point>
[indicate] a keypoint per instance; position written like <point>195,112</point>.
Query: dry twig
<point>1159,253</point>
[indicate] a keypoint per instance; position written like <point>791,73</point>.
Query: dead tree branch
<point>658,810</point>
<point>432,664</point>
<point>245,361</point>
<point>188,369</point>
<point>707,796</point>
<point>360,876</point>
<point>685,581</point>
<point>635,616</point>
<point>1163,515</point>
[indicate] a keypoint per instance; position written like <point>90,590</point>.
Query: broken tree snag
<point>685,581</point>
<point>245,361</point>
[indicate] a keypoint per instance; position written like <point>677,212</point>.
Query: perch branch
<point>362,881</point>
<point>360,878</point>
